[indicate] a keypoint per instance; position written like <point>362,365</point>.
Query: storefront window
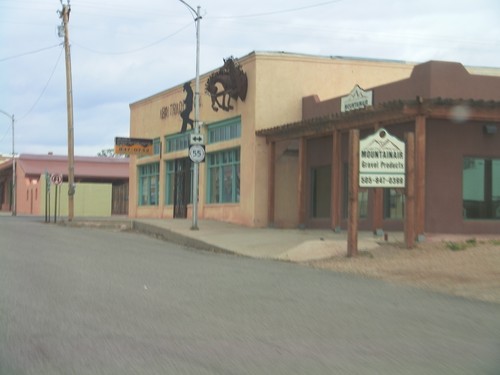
<point>394,204</point>
<point>177,142</point>
<point>224,130</point>
<point>223,176</point>
<point>481,188</point>
<point>148,177</point>
<point>362,197</point>
<point>156,146</point>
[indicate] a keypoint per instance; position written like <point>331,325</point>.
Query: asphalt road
<point>90,301</point>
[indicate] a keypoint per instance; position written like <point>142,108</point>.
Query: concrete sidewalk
<point>285,244</point>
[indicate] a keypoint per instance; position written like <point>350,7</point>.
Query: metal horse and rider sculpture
<point>188,107</point>
<point>229,82</point>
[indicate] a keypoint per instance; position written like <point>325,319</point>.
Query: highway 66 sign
<point>197,153</point>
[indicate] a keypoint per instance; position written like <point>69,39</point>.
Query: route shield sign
<point>382,161</point>
<point>197,153</point>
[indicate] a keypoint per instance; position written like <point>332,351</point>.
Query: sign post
<point>352,236</point>
<point>56,179</point>
<point>197,155</point>
<point>383,163</point>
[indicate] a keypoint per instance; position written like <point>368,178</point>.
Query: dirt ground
<point>462,266</point>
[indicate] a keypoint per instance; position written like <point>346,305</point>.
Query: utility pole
<point>64,14</point>
<point>196,169</point>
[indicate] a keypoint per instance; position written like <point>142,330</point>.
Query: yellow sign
<point>133,146</point>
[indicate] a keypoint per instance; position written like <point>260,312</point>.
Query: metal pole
<point>69,96</point>
<point>196,172</point>
<point>196,169</point>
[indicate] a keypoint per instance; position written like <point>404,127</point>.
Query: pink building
<point>101,184</point>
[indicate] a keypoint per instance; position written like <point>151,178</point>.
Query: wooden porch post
<point>420,155</point>
<point>410,191</point>
<point>336,203</point>
<point>302,182</point>
<point>378,203</point>
<point>352,236</point>
<point>271,184</point>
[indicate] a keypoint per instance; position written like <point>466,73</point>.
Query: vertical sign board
<point>382,161</point>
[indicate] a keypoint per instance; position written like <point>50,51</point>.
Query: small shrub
<point>456,246</point>
<point>471,242</point>
<point>495,242</point>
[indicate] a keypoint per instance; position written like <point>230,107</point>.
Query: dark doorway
<point>182,187</point>
<point>321,191</point>
<point>119,204</point>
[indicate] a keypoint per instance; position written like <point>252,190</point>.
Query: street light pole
<point>14,210</point>
<point>196,169</point>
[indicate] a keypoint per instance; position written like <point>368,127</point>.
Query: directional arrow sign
<point>196,139</point>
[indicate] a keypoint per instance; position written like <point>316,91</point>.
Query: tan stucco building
<point>234,179</point>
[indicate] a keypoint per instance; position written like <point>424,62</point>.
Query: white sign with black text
<point>382,161</point>
<point>197,153</point>
<point>357,99</point>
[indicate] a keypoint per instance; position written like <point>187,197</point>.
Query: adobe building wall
<point>276,84</point>
<point>447,145</point>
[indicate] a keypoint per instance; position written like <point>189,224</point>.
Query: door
<point>119,198</point>
<point>321,192</point>
<point>182,187</point>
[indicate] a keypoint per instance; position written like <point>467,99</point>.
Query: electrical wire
<point>29,53</point>
<point>133,50</point>
<point>45,87</point>
<point>278,11</point>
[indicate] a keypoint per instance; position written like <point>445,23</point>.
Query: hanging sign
<point>357,99</point>
<point>382,161</point>
<point>133,146</point>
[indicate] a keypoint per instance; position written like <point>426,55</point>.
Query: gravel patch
<point>466,267</point>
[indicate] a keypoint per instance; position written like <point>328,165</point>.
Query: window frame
<point>218,164</point>
<point>149,175</point>
<point>483,187</point>
<point>224,130</point>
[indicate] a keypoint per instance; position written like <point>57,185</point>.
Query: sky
<point>127,50</point>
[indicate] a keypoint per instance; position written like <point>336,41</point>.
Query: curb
<point>177,238</point>
<point>149,230</point>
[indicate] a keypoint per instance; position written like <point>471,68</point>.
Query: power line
<point>29,53</point>
<point>278,11</point>
<point>45,88</point>
<point>136,49</point>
